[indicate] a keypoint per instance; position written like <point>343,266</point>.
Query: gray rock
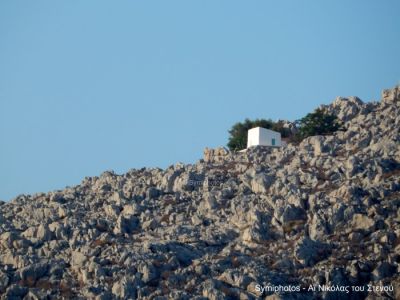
<point>318,144</point>
<point>215,155</point>
<point>15,291</point>
<point>383,270</point>
<point>150,224</point>
<point>40,233</point>
<point>188,182</point>
<point>124,289</point>
<point>149,272</point>
<point>167,183</point>
<point>152,193</point>
<point>310,252</point>
<point>362,222</point>
<point>78,258</point>
<point>346,108</point>
<point>126,224</point>
<point>261,183</point>
<point>235,278</point>
<point>4,280</point>
<point>34,271</point>
<point>391,95</point>
<point>7,239</point>
<point>318,228</point>
<point>292,213</point>
<point>132,209</point>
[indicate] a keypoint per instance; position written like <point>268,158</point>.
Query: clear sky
<point>88,86</point>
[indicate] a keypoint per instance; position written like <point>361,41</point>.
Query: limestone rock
<point>34,271</point>
<point>363,222</point>
<point>261,183</point>
<point>126,224</point>
<point>4,280</point>
<point>124,289</point>
<point>309,252</point>
<point>391,95</point>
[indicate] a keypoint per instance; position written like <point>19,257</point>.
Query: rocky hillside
<point>317,220</point>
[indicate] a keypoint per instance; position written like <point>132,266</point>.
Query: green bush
<point>318,122</point>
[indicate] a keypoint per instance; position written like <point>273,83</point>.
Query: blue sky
<point>88,86</point>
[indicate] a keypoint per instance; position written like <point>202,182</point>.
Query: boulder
<point>124,288</point>
<point>126,224</point>
<point>168,180</point>
<point>362,222</point>
<point>40,233</point>
<point>383,270</point>
<point>215,155</point>
<point>391,95</point>
<point>34,271</point>
<point>346,108</point>
<point>4,280</point>
<point>78,258</point>
<point>149,272</point>
<point>309,252</point>
<point>292,213</point>
<point>261,183</point>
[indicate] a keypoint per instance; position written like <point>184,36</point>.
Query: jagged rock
<point>345,108</point>
<point>292,213</point>
<point>318,228</point>
<point>40,233</point>
<point>152,193</point>
<point>7,239</point>
<point>78,258</point>
<point>43,233</point>
<point>309,252</point>
<point>4,280</point>
<point>363,222</point>
<point>150,224</point>
<point>215,155</point>
<point>256,234</point>
<point>209,202</point>
<point>210,290</point>
<point>149,272</point>
<point>188,181</point>
<point>258,231</point>
<point>34,271</point>
<point>261,183</point>
<point>126,224</point>
<point>124,289</point>
<point>391,95</point>
<point>317,143</point>
<point>383,270</point>
<point>132,209</point>
<point>15,291</point>
<point>254,288</point>
<point>167,183</point>
<point>235,278</point>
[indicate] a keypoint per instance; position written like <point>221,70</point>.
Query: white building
<point>259,136</point>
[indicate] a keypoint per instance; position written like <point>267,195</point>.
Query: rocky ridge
<point>326,211</point>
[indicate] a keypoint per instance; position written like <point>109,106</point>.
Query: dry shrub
<point>65,290</point>
<point>99,242</point>
<point>44,284</point>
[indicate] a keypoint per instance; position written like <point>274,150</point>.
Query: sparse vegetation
<point>319,122</point>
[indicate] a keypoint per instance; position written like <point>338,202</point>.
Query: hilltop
<point>324,212</point>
